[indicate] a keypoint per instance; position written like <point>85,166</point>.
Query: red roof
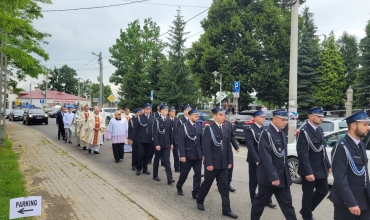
<point>51,94</point>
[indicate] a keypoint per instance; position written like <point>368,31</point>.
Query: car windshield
<point>18,111</point>
<point>327,126</point>
<point>206,116</point>
<point>243,117</point>
<point>36,111</point>
<point>7,111</point>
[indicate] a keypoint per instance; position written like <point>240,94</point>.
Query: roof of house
<point>51,94</point>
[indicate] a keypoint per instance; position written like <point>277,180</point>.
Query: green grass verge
<point>12,183</point>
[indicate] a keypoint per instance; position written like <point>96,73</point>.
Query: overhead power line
<point>187,21</point>
<point>87,63</point>
<point>89,8</point>
<point>185,6</point>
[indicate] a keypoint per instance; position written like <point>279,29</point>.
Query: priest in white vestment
<point>76,124</point>
<point>83,128</point>
<point>117,131</point>
<point>96,126</point>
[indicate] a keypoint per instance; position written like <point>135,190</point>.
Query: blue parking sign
<point>42,101</point>
<point>236,86</point>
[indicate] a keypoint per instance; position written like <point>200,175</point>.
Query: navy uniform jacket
<point>349,189</point>
<point>142,133</point>
<point>190,149</point>
<point>181,121</point>
<point>131,124</point>
<point>217,156</point>
<point>252,136</point>
<point>271,167</point>
<point>59,118</point>
<point>156,115</point>
<point>163,140</point>
<point>229,126</point>
<point>311,162</point>
<point>175,130</point>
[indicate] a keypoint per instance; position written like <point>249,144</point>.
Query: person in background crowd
<point>163,142</point>
<point>252,137</point>
<point>234,143</point>
<point>191,155</point>
<point>350,192</point>
<point>272,170</point>
<point>60,123</point>
<point>117,131</point>
<point>76,123</point>
<point>132,124</point>
<point>96,126</point>
<point>175,151</point>
<point>142,134</point>
<point>263,108</point>
<point>83,128</point>
<point>314,165</point>
<point>218,158</point>
<point>67,121</point>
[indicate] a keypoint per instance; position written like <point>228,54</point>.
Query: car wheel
<point>46,122</point>
<point>9,119</point>
<point>28,122</point>
<point>24,122</point>
<point>293,164</point>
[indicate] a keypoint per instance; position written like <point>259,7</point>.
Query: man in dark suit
<point>235,145</point>
<point>185,109</point>
<point>314,165</point>
<point>163,142</point>
<point>189,140</point>
<point>60,123</point>
<point>350,192</point>
<point>272,170</point>
<point>252,136</point>
<point>175,151</point>
<point>218,159</point>
<point>132,123</point>
<point>142,135</point>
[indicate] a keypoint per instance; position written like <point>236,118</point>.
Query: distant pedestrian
<point>60,124</point>
<point>67,121</point>
<point>117,131</point>
<point>96,126</point>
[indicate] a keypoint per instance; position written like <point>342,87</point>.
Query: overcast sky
<point>75,34</point>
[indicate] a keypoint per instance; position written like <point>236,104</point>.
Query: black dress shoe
<point>84,148</point>
<point>156,178</point>
<point>137,172</point>
<point>230,215</point>
<point>170,181</point>
<point>96,152</point>
<point>89,151</point>
<point>117,161</point>
<point>58,138</point>
<point>312,218</point>
<point>78,145</point>
<point>179,191</point>
<point>195,195</point>
<point>177,171</point>
<point>146,172</point>
<point>201,207</point>
<point>133,168</point>
<point>231,189</point>
<point>271,205</point>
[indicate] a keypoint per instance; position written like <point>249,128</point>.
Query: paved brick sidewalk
<point>69,189</point>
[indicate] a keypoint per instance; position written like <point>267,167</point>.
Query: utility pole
<point>30,95</point>
<point>101,79</point>
<point>46,90</point>
<point>78,99</point>
<point>293,70</point>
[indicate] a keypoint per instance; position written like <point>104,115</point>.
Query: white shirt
<point>313,126</point>
<point>67,119</point>
<point>259,126</point>
<point>278,130</point>
<point>354,140</point>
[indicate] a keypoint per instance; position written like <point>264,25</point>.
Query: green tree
<point>85,88</point>
<point>95,90</point>
<point>64,75</point>
<point>348,45</point>
<point>330,89</point>
<point>132,55</point>
<point>177,84</point>
<point>24,42</point>
<point>308,64</point>
<point>362,82</point>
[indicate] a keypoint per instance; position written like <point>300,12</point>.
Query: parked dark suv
<point>245,119</point>
<point>35,115</point>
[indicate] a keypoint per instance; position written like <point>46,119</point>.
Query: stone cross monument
<point>349,101</point>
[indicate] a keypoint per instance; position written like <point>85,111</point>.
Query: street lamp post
<point>100,77</point>
<point>215,73</point>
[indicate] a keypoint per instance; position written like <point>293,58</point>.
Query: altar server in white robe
<point>96,126</point>
<point>117,131</point>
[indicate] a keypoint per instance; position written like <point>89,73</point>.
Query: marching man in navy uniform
<point>350,192</point>
<point>235,145</point>
<point>142,135</point>
<point>175,151</point>
<point>190,148</point>
<point>163,142</point>
<point>185,109</point>
<point>314,165</point>
<point>218,159</point>
<point>272,170</point>
<point>252,136</point>
<point>132,123</point>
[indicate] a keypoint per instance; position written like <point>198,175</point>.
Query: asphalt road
<point>162,201</point>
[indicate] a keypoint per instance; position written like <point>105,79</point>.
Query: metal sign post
<point>236,94</point>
